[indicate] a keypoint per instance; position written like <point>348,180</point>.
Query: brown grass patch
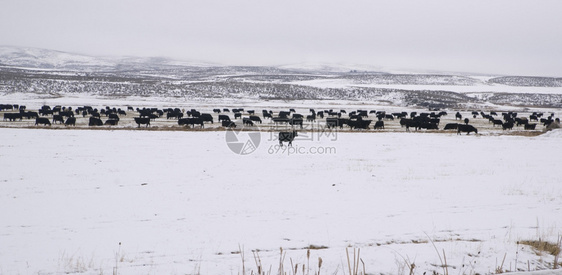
<point>542,246</point>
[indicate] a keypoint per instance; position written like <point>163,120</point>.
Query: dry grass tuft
<point>543,246</point>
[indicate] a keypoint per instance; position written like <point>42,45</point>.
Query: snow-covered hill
<point>48,59</point>
<point>30,70</point>
<point>35,58</point>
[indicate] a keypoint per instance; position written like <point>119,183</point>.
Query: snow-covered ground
<point>153,202</point>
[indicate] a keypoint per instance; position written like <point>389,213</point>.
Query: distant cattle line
<point>231,118</point>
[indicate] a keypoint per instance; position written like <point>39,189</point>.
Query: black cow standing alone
<point>288,137</point>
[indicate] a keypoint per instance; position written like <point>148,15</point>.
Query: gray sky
<point>502,37</point>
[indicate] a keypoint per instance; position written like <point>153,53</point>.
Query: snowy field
<point>181,202</point>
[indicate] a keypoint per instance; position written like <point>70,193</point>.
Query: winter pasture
<point>127,201</point>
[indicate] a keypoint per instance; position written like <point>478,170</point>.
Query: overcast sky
<point>502,37</point>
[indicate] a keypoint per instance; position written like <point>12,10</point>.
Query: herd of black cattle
<point>356,119</point>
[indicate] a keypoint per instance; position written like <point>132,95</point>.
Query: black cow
<point>111,122</point>
<point>12,116</point>
<point>30,115</point>
<point>70,121</point>
<point>142,120</point>
<point>287,137</point>
<point>42,120</point>
<point>198,120</point>
<point>247,121</point>
<point>521,121</point>
<point>507,125</point>
<point>379,125</point>
<point>237,115</point>
<point>359,124</point>
<point>114,117</point>
<point>207,117</point>
<point>6,107</point>
<point>458,116</point>
<point>66,113</point>
<point>94,121</point>
<point>228,124</point>
<point>403,121</point>
<point>183,121</point>
<point>58,118</point>
<point>466,128</point>
<point>224,118</point>
<point>497,122</point>
<point>255,118</point>
<point>191,121</point>
<point>546,121</point>
<point>278,120</point>
<point>177,115</point>
<point>416,124</point>
<point>284,114</point>
<point>530,126</point>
